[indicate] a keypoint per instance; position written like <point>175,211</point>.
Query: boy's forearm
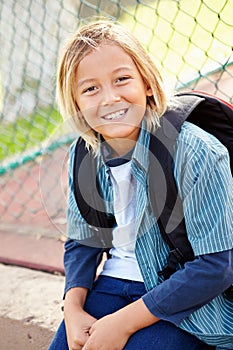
<point>76,297</point>
<point>136,316</point>
<point>80,262</point>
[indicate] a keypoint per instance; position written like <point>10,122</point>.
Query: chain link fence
<point>190,40</point>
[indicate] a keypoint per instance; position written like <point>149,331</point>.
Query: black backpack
<point>208,112</point>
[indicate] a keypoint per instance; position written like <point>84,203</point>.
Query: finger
<point>78,343</point>
<point>90,330</point>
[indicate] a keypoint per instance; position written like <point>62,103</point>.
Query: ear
<point>149,91</point>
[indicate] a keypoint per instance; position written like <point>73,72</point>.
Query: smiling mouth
<point>115,115</point>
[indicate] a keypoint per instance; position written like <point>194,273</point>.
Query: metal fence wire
<point>190,40</point>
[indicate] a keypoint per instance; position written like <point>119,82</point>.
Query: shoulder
<point>198,155</point>
<point>72,150</point>
<point>73,146</point>
<point>195,142</point>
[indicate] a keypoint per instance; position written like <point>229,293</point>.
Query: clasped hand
<point>107,333</point>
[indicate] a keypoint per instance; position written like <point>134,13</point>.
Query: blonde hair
<point>85,40</point>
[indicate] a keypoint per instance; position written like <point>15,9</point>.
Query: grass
<point>21,135</point>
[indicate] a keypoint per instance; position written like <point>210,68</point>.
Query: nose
<point>110,96</point>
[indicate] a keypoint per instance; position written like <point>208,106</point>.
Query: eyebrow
<point>128,68</point>
<point>81,82</point>
<point>85,81</point>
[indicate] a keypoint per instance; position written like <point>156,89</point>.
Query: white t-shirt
<point>123,263</point>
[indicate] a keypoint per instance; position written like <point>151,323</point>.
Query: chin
<point>116,130</point>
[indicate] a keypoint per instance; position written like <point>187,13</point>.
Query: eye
<point>122,79</point>
<point>90,89</point>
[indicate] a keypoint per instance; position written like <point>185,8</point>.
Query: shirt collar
<point>141,154</point>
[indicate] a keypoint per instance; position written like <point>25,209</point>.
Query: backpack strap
<point>88,198</point>
<point>164,197</point>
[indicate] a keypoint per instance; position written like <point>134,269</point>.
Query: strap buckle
<point>174,258</point>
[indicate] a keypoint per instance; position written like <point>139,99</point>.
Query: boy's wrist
<point>136,316</point>
<point>76,297</point>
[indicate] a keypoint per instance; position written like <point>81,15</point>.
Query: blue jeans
<point>111,294</point>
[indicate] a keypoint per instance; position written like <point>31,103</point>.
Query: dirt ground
<point>30,308</point>
<point>18,335</point>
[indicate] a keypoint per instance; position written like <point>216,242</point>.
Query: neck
<point>120,147</point>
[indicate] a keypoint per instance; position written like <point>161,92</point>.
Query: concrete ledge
<point>40,253</point>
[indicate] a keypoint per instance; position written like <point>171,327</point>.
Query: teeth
<point>115,115</point>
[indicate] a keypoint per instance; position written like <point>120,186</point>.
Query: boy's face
<point>110,93</point>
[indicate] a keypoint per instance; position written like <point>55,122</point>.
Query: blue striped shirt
<point>205,184</point>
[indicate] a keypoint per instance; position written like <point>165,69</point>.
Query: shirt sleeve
<point>77,227</point>
<point>81,262</point>
<point>205,184</point>
<point>189,289</point>
<point>82,249</point>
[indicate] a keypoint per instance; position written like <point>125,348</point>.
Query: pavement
<point>32,235</point>
<point>31,291</point>
<point>30,307</point>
